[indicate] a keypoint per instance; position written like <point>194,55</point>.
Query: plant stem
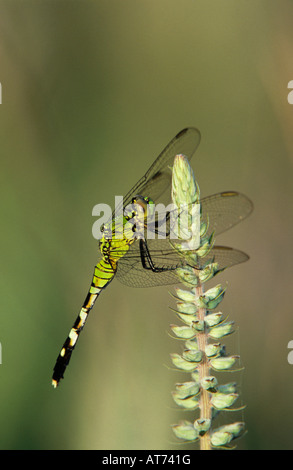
<point>204,371</point>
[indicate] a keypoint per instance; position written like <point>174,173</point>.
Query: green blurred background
<point>91,93</point>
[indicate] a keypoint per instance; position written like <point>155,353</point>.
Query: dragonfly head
<point>146,204</point>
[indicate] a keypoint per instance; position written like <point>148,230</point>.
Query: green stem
<point>204,371</point>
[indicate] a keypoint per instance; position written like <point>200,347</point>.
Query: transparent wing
<point>131,272</point>
<point>157,180</point>
<point>226,257</point>
<point>224,210</point>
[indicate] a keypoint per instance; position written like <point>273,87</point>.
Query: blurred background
<point>92,91</point>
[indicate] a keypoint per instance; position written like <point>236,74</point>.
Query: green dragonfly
<point>141,262</point>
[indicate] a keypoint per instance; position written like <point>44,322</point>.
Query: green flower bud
<point>222,401</point>
<point>187,319</point>
<point>189,403</point>
<point>224,329</point>
<point>207,273</point>
<point>192,355</point>
<point>185,430</point>
<point>203,228</point>
<point>184,364</point>
<point>185,295</point>
<point>187,389</point>
<point>214,319</point>
<point>213,297</point>
<point>202,426</point>
<point>183,332</point>
<point>184,187</point>
<point>228,388</point>
<point>212,350</point>
<point>187,276</point>
<point>198,325</point>
<point>204,249</point>
<point>195,375</point>
<point>187,307</point>
<point>222,436</point>
<point>191,344</point>
<point>223,363</point>
<point>209,383</point>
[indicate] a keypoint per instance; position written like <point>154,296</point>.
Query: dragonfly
<point>141,262</point>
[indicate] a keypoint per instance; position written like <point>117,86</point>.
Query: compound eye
<point>148,200</point>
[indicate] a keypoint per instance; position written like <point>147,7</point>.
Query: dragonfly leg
<point>154,226</point>
<point>146,259</point>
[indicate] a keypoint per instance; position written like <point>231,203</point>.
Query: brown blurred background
<point>91,93</point>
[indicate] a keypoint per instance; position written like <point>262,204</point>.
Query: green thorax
<point>125,229</point>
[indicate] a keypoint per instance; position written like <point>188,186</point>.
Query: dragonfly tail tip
<point>54,383</point>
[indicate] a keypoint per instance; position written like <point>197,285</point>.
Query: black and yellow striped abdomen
<point>103,275</point>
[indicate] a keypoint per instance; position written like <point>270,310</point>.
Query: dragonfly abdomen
<point>103,275</point>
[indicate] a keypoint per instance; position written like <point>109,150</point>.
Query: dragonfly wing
<point>157,180</point>
<point>131,272</point>
<point>226,257</point>
<point>139,277</point>
<point>224,210</point>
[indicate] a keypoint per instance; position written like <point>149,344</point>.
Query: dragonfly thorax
<point>121,232</point>
<point>137,214</point>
